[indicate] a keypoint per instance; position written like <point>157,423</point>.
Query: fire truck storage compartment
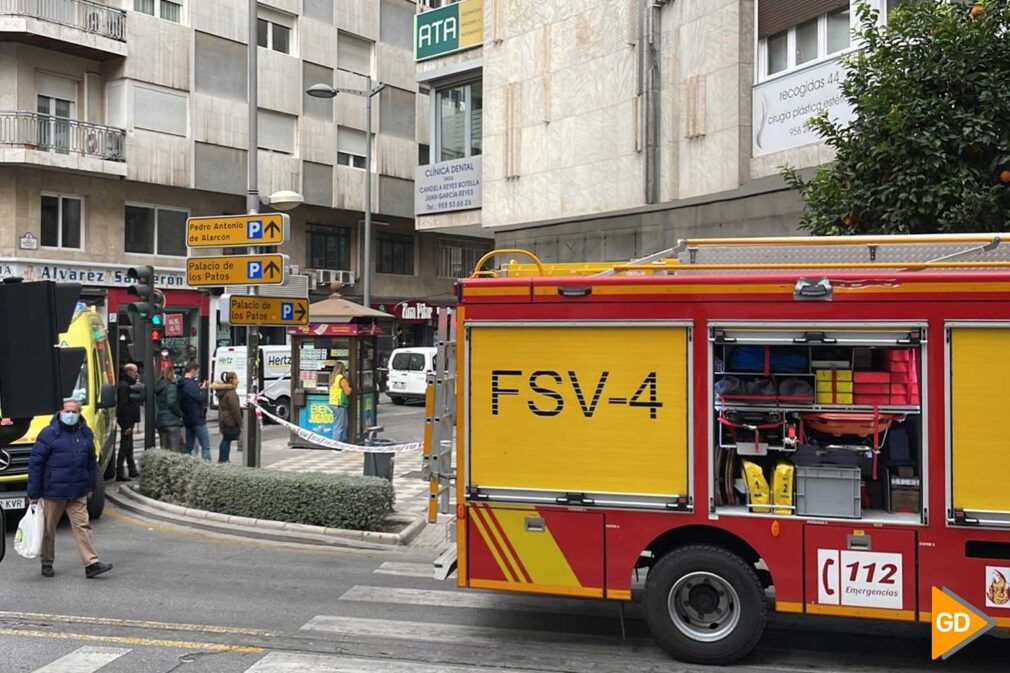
<point>979,369</point>
<point>848,568</point>
<point>580,413</point>
<point>819,421</point>
<point>546,549</point>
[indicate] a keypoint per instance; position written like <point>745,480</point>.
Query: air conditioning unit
<point>326,277</point>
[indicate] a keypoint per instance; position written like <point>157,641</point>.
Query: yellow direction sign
<point>236,270</point>
<point>247,310</point>
<point>237,230</point>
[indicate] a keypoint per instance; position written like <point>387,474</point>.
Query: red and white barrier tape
<point>329,443</point>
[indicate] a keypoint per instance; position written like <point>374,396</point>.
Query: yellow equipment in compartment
<point>758,495</point>
<point>782,488</point>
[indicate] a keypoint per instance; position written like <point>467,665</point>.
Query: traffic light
<point>150,303</point>
<point>156,339</point>
<point>36,375</point>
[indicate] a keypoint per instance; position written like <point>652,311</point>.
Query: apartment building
<point>609,129</point>
<point>120,119</point>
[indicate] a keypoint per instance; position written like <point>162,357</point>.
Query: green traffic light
<point>157,320</point>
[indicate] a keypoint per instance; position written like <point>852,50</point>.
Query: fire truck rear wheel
<point>705,605</point>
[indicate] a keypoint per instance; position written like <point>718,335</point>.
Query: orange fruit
<point>1004,176</point>
<point>976,10</point>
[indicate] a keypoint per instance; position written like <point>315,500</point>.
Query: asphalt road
<point>185,601</point>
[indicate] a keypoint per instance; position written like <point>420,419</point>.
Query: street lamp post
<point>327,91</point>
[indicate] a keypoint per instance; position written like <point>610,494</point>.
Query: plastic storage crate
<point>828,490</point>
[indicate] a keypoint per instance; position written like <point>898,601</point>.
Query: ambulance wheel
<point>110,469</point>
<point>97,503</point>
<point>396,399</point>
<point>705,605</point>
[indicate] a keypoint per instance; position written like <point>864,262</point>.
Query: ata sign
<point>237,230</point>
<point>246,310</point>
<point>236,270</point>
<point>447,29</point>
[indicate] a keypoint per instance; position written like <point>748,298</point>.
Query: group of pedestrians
<point>181,405</point>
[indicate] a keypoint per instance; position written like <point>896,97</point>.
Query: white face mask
<point>69,417</point>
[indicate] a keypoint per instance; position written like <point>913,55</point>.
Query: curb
<point>127,498</point>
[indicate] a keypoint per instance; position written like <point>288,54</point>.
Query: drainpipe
<point>649,85</point>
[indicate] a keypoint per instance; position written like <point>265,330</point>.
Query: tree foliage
<point>929,148</point>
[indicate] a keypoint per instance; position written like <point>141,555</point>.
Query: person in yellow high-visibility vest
<point>340,400</point>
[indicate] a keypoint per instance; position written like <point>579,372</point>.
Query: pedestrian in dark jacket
<point>63,472</point>
<point>169,414</point>
<point>229,414</point>
<point>127,416</point>
<point>193,400</point>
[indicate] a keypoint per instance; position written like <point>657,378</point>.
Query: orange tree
<point>929,148</point>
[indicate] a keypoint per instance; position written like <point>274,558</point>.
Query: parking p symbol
<point>254,229</point>
<point>254,270</point>
<point>287,311</point>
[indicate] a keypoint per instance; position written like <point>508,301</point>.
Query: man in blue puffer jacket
<point>63,472</point>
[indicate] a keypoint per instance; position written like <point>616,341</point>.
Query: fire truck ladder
<point>790,253</point>
<point>838,253</point>
<point>439,426</point>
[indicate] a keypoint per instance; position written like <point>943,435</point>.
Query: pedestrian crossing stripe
<point>284,662</point>
<point>477,600</point>
<point>86,659</point>
<point>406,569</point>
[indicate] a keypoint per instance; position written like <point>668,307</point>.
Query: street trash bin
<point>378,464</point>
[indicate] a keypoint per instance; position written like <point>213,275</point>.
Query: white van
<point>408,370</point>
<point>276,366</point>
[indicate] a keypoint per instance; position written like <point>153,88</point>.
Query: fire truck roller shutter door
<point>579,409</point>
<point>979,372</point>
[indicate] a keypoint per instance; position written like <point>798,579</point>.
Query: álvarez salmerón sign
<point>447,29</point>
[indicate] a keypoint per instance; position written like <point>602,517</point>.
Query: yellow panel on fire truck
<point>598,410</point>
<point>978,368</point>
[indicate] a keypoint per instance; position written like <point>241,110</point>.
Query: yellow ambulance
<point>96,388</point>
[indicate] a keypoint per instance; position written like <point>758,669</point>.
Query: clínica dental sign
<point>447,29</point>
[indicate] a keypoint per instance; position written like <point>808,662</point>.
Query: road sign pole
<point>149,360</point>
<point>252,453</point>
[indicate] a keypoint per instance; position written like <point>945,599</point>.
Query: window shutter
<point>778,15</point>
<point>351,141</point>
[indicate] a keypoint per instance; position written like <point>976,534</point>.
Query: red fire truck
<point>810,426</point>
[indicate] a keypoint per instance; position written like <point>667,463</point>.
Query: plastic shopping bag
<point>28,539</point>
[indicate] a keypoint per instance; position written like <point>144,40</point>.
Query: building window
<point>351,147</point>
<point>155,230</point>
<point>276,131</point>
<point>62,221</point>
<point>395,254</point>
<point>170,10</point>
<point>329,247</point>
<point>793,35</point>
<point>354,54</point>
<point>273,31</point>
<point>423,154</point>
<point>458,257</point>
<point>458,123</point>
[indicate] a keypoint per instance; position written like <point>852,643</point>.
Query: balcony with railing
<point>58,142</point>
<point>83,27</point>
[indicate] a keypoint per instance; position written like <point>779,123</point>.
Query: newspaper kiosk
<point>338,331</point>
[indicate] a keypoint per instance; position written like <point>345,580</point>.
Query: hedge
<point>336,501</point>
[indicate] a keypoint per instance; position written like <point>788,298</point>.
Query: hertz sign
<point>451,28</point>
